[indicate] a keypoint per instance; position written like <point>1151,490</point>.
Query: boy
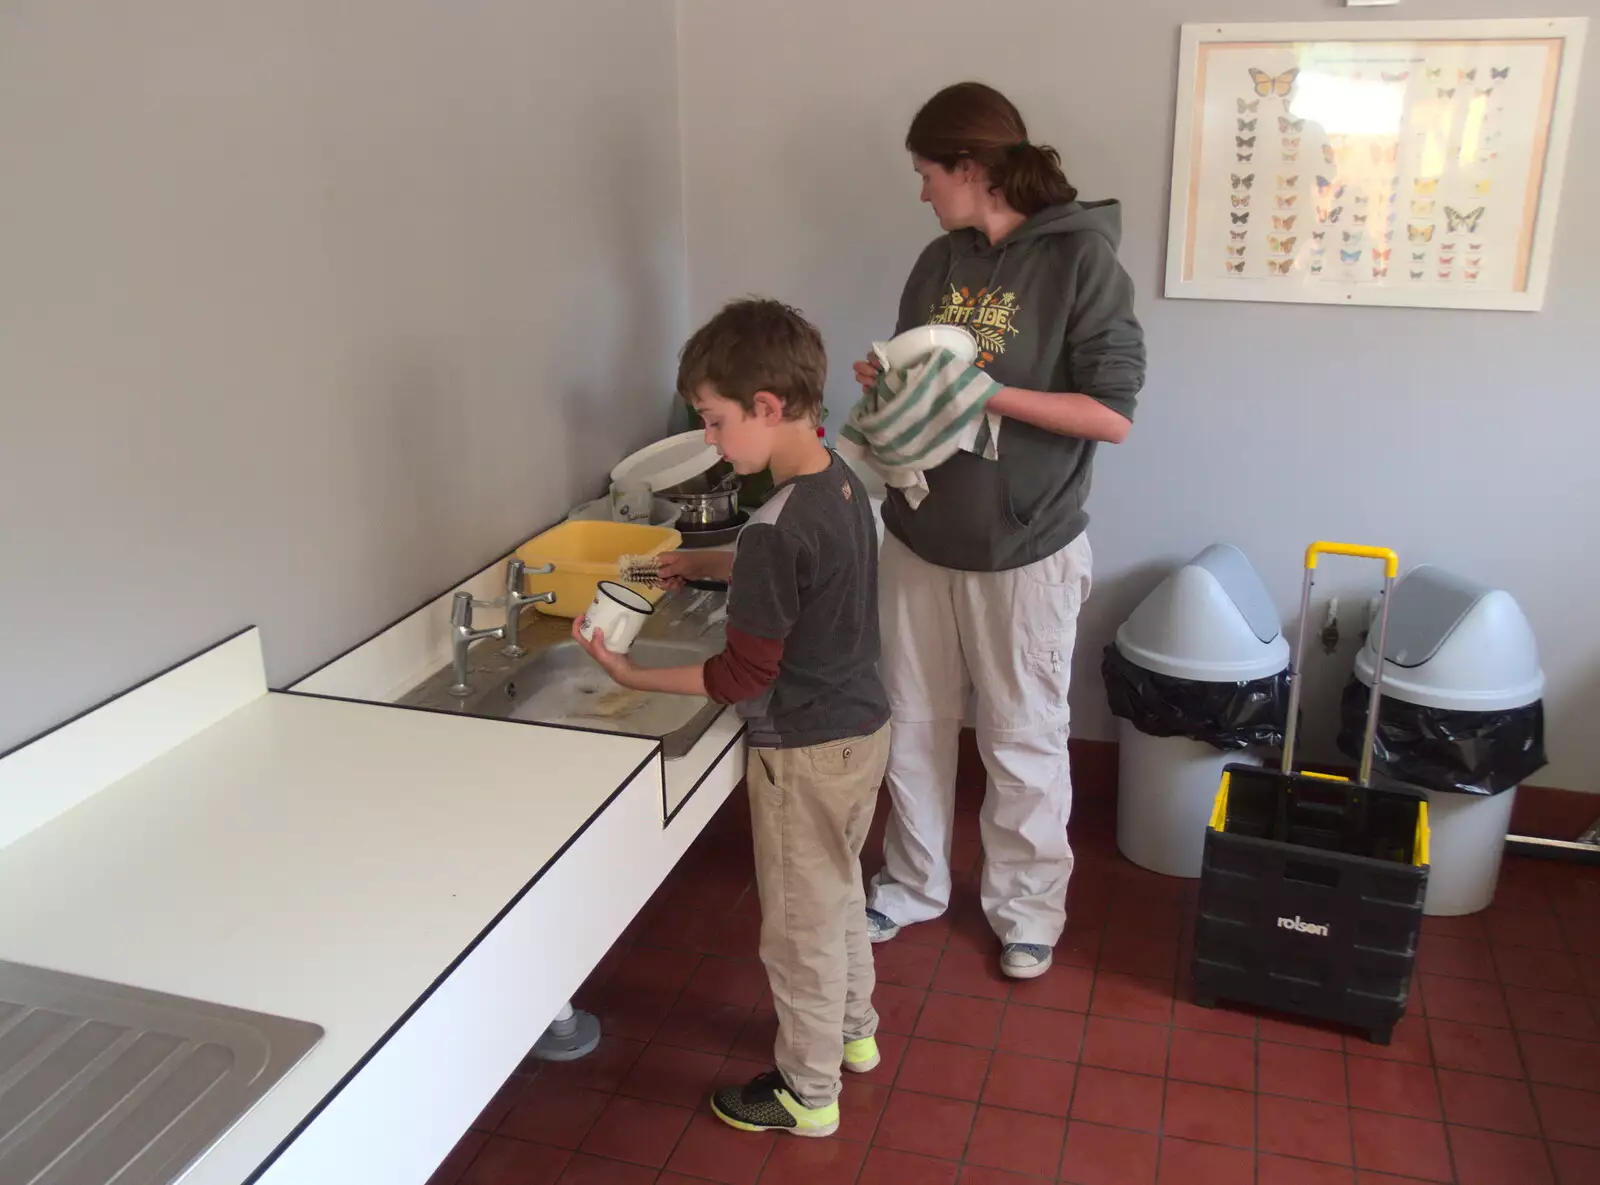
<point>801,663</point>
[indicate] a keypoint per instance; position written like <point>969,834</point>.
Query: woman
<point>982,583</point>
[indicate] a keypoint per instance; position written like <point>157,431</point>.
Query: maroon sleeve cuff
<point>745,669</point>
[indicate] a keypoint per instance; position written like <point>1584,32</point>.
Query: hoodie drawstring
<point>998,264</point>
<point>993,275</point>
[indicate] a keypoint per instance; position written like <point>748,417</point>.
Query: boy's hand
<point>689,680</point>
<point>678,566</point>
<point>619,666</point>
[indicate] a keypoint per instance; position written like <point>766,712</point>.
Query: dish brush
<point>645,570</point>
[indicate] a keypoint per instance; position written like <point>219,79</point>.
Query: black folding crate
<point>1311,898</point>
<point>1311,887</point>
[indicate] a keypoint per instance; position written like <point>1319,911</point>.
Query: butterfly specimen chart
<point>1393,163</point>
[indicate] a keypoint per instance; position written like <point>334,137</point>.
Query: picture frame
<point>1396,163</point>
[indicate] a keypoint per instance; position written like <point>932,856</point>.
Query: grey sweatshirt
<point>1052,309</point>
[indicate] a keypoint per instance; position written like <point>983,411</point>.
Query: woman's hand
<point>867,372</point>
<point>619,666</point>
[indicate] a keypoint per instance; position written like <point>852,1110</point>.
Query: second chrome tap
<point>516,602</point>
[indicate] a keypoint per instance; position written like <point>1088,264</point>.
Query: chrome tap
<point>516,602</point>
<point>462,636</point>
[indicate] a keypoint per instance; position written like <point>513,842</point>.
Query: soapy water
<point>591,699</point>
<point>591,695</point>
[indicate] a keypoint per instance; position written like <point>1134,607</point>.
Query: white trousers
<point>1008,636</point>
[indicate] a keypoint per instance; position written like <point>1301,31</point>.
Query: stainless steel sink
<point>555,682</point>
<point>563,685</point>
<point>104,1083</point>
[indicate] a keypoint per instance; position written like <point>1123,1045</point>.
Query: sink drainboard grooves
<point>104,1082</point>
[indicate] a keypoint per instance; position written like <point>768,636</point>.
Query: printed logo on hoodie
<point>990,316</point>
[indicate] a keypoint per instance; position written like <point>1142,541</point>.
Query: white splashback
<point>53,773</point>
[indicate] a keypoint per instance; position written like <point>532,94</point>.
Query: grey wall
<point>308,309</point>
<point>1463,439</point>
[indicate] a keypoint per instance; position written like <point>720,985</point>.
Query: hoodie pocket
<point>969,497</point>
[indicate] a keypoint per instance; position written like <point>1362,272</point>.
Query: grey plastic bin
<point>1211,621</point>
<point>1457,646</point>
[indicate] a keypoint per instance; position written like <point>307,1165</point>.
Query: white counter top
<point>314,859</point>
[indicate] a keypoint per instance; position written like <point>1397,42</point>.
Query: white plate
<point>668,462</point>
<point>906,348</point>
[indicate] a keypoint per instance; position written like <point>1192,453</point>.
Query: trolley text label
<point>1300,927</point>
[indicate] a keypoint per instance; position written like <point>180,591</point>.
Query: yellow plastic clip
<point>1391,560</point>
<point>1219,806</point>
<point>1419,850</point>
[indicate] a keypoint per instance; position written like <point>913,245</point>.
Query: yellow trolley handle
<point>1391,569</point>
<point>1391,560</point>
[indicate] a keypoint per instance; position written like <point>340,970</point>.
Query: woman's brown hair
<point>971,121</point>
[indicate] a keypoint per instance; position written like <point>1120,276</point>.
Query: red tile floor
<point>1100,1073</point>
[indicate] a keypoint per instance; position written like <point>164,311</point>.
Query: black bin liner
<point>1226,716</point>
<point>1439,749</point>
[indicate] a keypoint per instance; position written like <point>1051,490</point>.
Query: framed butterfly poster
<point>1378,163</point>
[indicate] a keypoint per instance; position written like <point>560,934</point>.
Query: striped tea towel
<point>920,417</point>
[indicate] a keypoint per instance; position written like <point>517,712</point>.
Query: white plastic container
<point>667,463</point>
<point>1211,621</point>
<point>1165,789</point>
<point>1467,835</point>
<point>1459,646</point>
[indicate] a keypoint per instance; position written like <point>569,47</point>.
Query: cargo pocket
<point>1051,661</point>
<point>1045,601</point>
<point>1047,666</point>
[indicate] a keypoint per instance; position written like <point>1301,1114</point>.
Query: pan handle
<point>1391,561</point>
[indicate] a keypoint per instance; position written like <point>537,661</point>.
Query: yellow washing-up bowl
<point>585,553</point>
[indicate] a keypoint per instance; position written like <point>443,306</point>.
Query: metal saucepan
<point>703,505</point>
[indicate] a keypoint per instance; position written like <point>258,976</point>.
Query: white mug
<point>617,612</point>
<point>631,501</point>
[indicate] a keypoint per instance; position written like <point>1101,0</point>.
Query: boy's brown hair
<point>756,345</point>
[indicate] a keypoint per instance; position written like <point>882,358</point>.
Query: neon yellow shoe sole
<point>766,1104</point>
<point>862,1057</point>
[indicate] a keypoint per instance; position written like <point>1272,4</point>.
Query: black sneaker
<point>767,1104</point>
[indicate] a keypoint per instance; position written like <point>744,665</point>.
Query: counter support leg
<point>571,1035</point>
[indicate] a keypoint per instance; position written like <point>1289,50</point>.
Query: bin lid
<point>1455,644</point>
<point>1211,621</point>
